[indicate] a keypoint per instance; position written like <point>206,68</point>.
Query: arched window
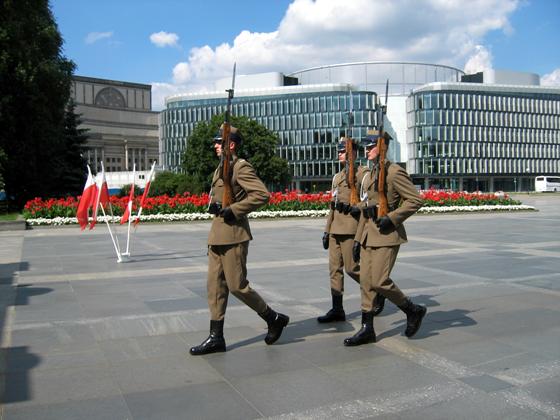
<point>110,97</point>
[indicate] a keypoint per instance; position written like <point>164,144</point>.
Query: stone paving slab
<point>84,337</point>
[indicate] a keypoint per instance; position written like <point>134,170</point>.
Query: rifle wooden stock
<point>227,197</point>
<point>351,172</point>
<point>383,209</point>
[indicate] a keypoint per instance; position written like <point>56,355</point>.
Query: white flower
<point>180,217</point>
<point>451,209</point>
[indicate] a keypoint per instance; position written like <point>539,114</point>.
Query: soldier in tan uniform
<point>228,243</point>
<point>377,243</point>
<point>338,237</point>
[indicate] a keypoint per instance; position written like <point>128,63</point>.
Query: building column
<point>126,155</point>
<point>426,183</point>
<point>491,184</point>
<point>461,184</point>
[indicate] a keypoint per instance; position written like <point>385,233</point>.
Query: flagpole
<point>117,248</point>
<point>127,253</point>
<point>145,194</point>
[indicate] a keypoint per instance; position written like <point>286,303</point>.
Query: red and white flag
<point>145,194</point>
<point>102,197</point>
<point>86,200</point>
<point>128,210</point>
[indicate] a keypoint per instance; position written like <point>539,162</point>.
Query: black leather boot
<point>366,333</point>
<point>378,304</point>
<point>276,323</point>
<point>414,315</point>
<point>336,313</point>
<point>215,341</point>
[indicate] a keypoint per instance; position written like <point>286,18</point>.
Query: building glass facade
<point>309,121</point>
<point>372,76</point>
<point>484,137</point>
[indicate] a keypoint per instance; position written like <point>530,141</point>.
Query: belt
<point>341,207</point>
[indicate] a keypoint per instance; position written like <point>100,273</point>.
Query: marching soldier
<point>228,243</point>
<point>338,237</point>
<point>377,243</point>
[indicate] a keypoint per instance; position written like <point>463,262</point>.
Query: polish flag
<point>86,200</point>
<point>145,194</point>
<point>102,197</point>
<point>128,210</point>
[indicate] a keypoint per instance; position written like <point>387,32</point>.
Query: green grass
<point>8,216</point>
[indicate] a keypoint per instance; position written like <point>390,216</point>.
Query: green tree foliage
<point>34,91</point>
<point>259,148</point>
<point>73,164</point>
<point>125,190</point>
<point>170,183</point>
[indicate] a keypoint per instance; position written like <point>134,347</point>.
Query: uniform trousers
<point>376,264</point>
<point>227,272</point>
<point>340,256</point>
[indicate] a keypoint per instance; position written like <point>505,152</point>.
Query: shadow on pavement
<point>298,331</point>
<point>18,364</point>
<point>15,362</point>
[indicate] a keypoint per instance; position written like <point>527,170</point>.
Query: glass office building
<point>488,137</point>
<point>308,119</point>
<point>372,76</point>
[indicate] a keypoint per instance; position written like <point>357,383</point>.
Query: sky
<point>181,46</point>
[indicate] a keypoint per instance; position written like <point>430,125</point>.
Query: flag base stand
<point>124,258</point>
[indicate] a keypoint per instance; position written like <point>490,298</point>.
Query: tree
<point>170,183</point>
<point>125,190</point>
<point>73,164</point>
<point>2,164</point>
<point>259,148</point>
<point>34,92</point>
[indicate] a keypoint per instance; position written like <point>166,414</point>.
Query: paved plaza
<point>84,337</point>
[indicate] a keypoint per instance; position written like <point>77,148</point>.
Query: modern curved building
<point>310,117</point>
<point>489,131</point>
<point>372,76</point>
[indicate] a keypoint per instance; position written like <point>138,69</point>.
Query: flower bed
<point>288,204</point>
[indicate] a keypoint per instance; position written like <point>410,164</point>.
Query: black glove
<point>355,212</point>
<point>228,215</point>
<point>385,225</point>
<point>326,240</point>
<point>356,251</point>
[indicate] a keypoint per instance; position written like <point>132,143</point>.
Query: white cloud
<point>93,37</point>
<point>160,91</point>
<point>320,32</point>
<point>481,60</point>
<point>551,79</point>
<point>164,39</point>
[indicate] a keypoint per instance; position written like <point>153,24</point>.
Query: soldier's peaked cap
<point>341,146</point>
<point>234,135</point>
<point>372,137</point>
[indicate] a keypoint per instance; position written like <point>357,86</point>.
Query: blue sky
<point>184,46</point>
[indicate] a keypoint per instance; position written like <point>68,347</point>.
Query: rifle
<point>225,159</point>
<point>350,168</point>
<point>383,209</point>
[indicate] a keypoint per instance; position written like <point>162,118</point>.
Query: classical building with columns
<point>123,129</point>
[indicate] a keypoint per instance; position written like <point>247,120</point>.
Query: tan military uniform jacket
<point>399,190</point>
<point>339,223</point>
<point>249,194</point>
